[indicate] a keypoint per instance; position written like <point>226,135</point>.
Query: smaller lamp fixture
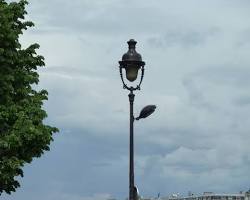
<point>131,62</point>
<point>146,111</point>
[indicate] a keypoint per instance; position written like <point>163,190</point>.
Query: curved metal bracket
<point>142,75</point>
<point>124,84</point>
<point>131,88</point>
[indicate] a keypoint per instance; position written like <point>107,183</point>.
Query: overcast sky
<point>197,56</point>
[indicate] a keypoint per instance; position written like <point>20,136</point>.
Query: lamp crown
<point>132,55</point>
<point>131,44</point>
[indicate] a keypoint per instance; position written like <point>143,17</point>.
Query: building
<point>247,195</point>
<point>213,196</point>
<point>205,196</point>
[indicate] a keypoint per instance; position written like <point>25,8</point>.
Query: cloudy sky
<point>197,56</point>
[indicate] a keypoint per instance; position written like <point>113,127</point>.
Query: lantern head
<point>131,61</point>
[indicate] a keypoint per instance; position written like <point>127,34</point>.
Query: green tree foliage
<point>23,135</point>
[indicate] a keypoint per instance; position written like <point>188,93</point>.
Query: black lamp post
<point>132,63</point>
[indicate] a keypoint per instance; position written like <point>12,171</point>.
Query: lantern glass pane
<point>131,73</point>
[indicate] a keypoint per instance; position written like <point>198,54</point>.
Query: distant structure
<point>205,196</point>
<point>213,196</point>
<point>247,195</point>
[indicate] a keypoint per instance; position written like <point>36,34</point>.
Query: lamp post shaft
<point>131,145</point>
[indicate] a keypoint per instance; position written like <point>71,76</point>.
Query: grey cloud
<point>242,101</point>
<point>196,94</point>
<point>95,156</point>
<point>95,17</point>
<point>218,88</point>
<point>183,38</point>
<point>180,175</point>
<point>233,75</point>
<point>243,40</point>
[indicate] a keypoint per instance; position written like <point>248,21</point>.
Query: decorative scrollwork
<point>124,84</point>
<point>131,88</point>
<point>142,75</point>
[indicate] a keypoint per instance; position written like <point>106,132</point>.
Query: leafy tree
<point>23,134</point>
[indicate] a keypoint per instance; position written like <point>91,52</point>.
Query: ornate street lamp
<point>132,63</point>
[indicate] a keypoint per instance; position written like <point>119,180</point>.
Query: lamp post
<point>132,63</point>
